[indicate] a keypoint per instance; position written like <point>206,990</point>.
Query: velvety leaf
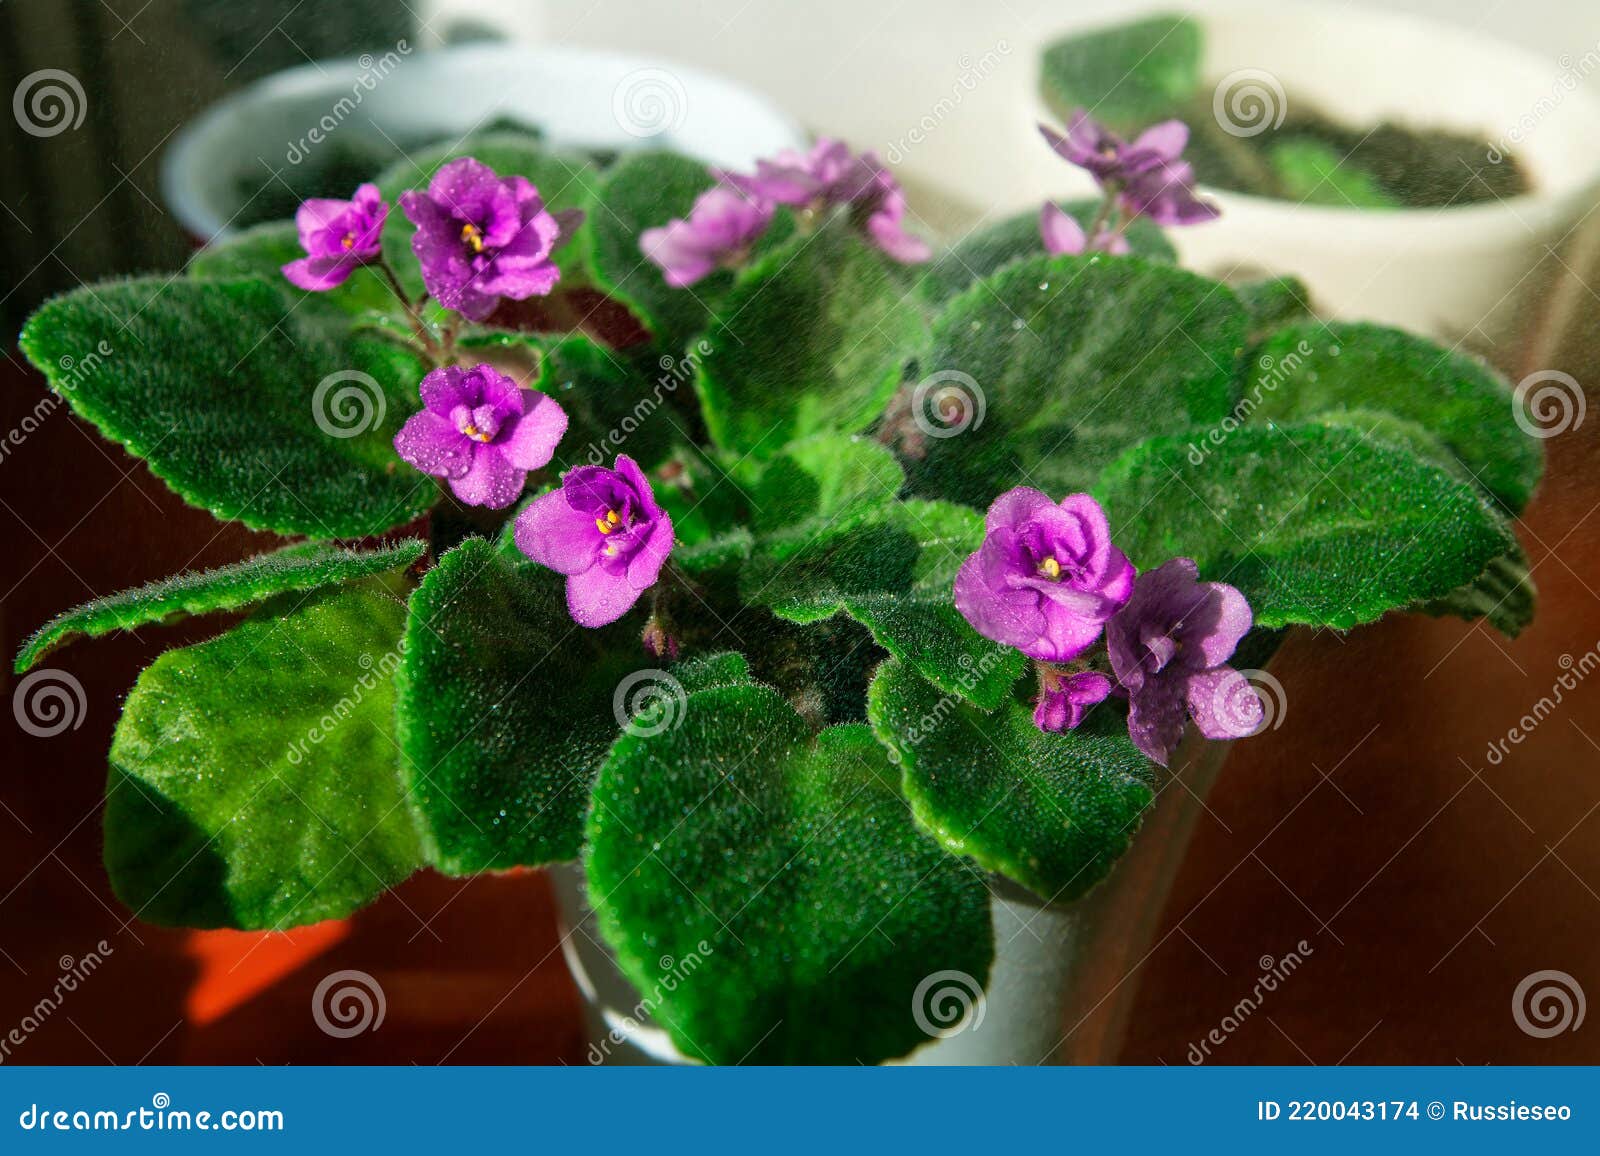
<point>1311,369</point>
<point>711,671</point>
<point>1316,523</point>
<point>1274,302</point>
<point>247,407</point>
<point>789,869</point>
<point>506,707</point>
<point>616,403</point>
<point>263,250</point>
<point>304,566</point>
<point>641,191</point>
<point>1129,75</point>
<point>1503,595</point>
<point>991,248</point>
<point>814,338</point>
<point>1050,811</point>
<point>825,476</point>
<point>1069,361</point>
<point>893,570</point>
<point>253,780</point>
<point>1314,172</point>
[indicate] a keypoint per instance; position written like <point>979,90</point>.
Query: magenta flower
<point>1046,577</point>
<point>1062,234</point>
<point>1065,698</point>
<point>338,237</point>
<point>1148,177</point>
<point>605,532</point>
<point>482,431</point>
<point>830,174</point>
<point>718,233</point>
<point>1169,647</point>
<point>481,237</point>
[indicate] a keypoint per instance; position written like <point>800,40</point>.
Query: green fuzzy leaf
<point>506,707</point>
<point>1050,811</point>
<point>1317,523</point>
<point>789,869</point>
<point>712,671</point>
<point>813,339</point>
<point>1315,172</point>
<point>1128,75</point>
<point>1071,361</point>
<point>263,251</point>
<point>253,780</point>
<point>304,566</point>
<point>893,570</point>
<point>1312,369</point>
<point>993,247</point>
<point>215,384</point>
<point>1274,302</point>
<point>616,403</point>
<point>1503,595</point>
<point>641,191</point>
<point>825,476</point>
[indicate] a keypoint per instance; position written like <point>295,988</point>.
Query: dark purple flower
<point>338,237</point>
<point>1065,698</point>
<point>1062,234</point>
<point>1169,647</point>
<point>1148,177</point>
<point>718,233</point>
<point>604,530</point>
<point>1046,577</point>
<point>830,174</point>
<point>482,431</point>
<point>481,237</point>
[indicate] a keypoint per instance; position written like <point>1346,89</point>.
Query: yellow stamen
<point>349,241</point>
<point>1050,568</point>
<point>470,234</point>
<point>474,432</point>
<point>608,522</point>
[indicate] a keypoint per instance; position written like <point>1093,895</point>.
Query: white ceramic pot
<point>580,98</point>
<point>1062,981</point>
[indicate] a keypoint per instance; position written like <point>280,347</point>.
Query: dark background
<point>1426,881</point>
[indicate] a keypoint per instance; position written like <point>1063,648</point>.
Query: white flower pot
<point>1062,981</point>
<point>582,99</point>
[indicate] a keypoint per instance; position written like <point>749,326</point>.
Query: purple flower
<point>1046,577</point>
<point>481,237</point>
<point>1148,177</point>
<point>1169,646</point>
<point>338,237</point>
<point>1062,234</point>
<point>1065,698</point>
<point>604,530</point>
<point>482,431</point>
<point>830,174</point>
<point>717,234</point>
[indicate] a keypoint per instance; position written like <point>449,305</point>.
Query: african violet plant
<point>622,534</point>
